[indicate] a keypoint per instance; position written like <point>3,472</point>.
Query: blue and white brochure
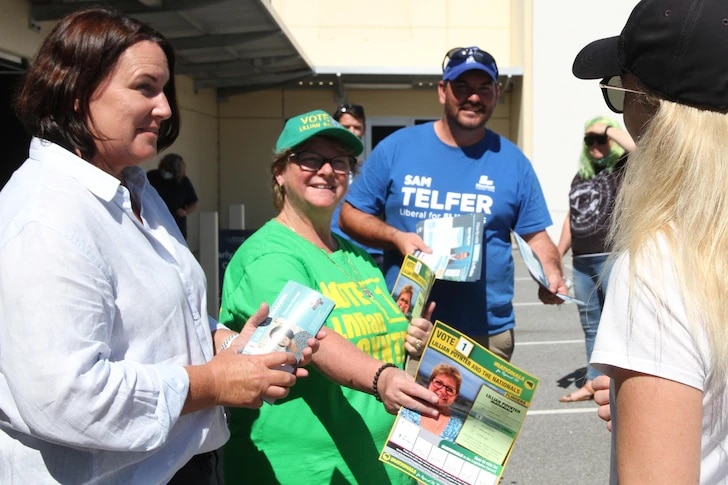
<point>536,268</point>
<point>297,314</point>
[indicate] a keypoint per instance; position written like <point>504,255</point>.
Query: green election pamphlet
<point>486,414</point>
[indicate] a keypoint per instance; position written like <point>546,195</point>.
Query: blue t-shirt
<point>412,175</point>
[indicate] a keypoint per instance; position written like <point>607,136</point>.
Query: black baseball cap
<point>676,48</point>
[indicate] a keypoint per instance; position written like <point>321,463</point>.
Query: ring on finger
<point>418,344</point>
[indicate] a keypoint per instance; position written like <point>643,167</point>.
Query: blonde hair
<point>279,164</point>
<point>675,188</point>
<point>406,289</point>
<point>447,370</point>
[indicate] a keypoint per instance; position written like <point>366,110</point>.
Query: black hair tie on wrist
<point>375,382</point>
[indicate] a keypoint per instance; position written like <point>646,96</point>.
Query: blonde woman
<point>663,337</point>
<point>445,381</point>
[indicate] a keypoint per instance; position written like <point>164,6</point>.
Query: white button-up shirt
<point>98,315</point>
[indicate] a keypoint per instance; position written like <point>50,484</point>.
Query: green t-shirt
<point>321,433</point>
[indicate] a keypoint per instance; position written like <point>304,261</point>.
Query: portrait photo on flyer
<point>412,287</point>
<point>483,404</point>
<point>296,315</point>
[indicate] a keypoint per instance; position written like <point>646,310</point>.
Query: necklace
<point>356,278</point>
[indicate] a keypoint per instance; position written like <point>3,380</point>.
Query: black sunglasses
<point>458,55</point>
<point>595,139</point>
<point>355,110</point>
<point>614,93</point>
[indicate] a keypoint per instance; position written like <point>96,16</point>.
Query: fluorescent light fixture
<point>377,85</point>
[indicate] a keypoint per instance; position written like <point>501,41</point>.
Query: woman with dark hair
<point>352,117</point>
<point>175,188</point>
<point>111,371</point>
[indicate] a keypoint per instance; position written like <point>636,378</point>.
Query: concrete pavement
<point>560,443</point>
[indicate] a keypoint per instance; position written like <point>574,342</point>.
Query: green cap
<point>300,128</point>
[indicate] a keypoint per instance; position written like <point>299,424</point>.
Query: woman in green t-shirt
<point>332,426</point>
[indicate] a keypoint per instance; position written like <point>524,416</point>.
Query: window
<point>380,128</point>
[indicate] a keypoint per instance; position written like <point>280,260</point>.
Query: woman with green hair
<point>591,200</point>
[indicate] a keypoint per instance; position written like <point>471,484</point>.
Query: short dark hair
<point>355,110</point>
<point>74,59</point>
<point>174,164</point>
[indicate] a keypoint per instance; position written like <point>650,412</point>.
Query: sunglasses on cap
<point>458,55</point>
<point>614,93</point>
<point>355,110</point>
<point>595,139</point>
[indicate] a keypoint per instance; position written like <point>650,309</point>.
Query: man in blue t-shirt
<point>450,167</point>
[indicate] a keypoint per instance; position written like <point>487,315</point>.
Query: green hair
<point>587,163</point>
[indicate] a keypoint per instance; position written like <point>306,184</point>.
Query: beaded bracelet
<point>375,382</point>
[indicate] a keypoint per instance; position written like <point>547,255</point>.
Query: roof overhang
<point>229,45</point>
<point>237,46</point>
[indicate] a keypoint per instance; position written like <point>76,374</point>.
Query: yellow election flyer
<point>483,404</point>
<point>412,286</point>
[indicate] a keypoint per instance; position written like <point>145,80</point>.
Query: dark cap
<point>676,48</point>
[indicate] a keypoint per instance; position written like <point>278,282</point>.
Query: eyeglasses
<point>458,55</point>
<point>355,110</point>
<point>614,93</point>
<point>438,384</point>
<point>595,139</point>
<point>313,162</point>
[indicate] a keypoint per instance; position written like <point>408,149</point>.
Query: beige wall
<point>16,38</point>
<point>198,145</point>
<point>400,34</point>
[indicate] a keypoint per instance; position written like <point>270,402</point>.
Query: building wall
<point>16,36</point>
<point>198,143</point>
<point>561,102</point>
<point>400,34</point>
